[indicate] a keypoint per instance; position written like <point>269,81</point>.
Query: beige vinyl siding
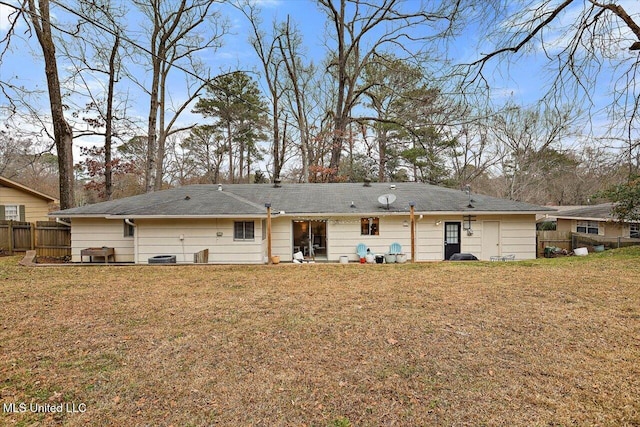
<point>281,239</point>
<point>518,236</point>
<point>430,237</point>
<point>36,209</point>
<point>97,232</point>
<point>343,235</point>
<point>614,229</point>
<point>184,237</point>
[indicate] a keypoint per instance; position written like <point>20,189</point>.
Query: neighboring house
<point>595,219</point>
<point>326,221</point>
<point>21,203</point>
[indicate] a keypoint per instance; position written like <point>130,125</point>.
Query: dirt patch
<point>52,260</point>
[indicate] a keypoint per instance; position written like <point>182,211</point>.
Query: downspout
<point>269,253</point>
<point>135,239</point>
<point>413,230</point>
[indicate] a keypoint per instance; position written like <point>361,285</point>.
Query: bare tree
<point>360,31</point>
<point>94,56</point>
<point>174,38</point>
<point>266,47</point>
<point>589,45</point>
<point>527,143</point>
<point>39,17</point>
<point>299,89</point>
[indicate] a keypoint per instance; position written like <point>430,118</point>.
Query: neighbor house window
<point>243,230</point>
<point>369,226</point>
<point>11,212</point>
<point>589,227</point>
<point>634,230</point>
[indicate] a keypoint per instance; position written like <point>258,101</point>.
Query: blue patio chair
<point>361,250</point>
<point>395,248</point>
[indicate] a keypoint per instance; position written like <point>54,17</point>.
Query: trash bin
<point>162,259</point>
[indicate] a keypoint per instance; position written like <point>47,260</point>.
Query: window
<point>589,227</point>
<point>11,212</point>
<point>634,230</point>
<point>243,230</point>
<point>370,226</point>
<point>129,230</point>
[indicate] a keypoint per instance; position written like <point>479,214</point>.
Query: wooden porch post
<point>268,206</point>
<point>413,230</point>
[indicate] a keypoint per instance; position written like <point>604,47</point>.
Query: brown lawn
<point>539,343</point>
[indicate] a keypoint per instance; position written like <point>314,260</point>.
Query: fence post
<point>33,235</point>
<point>10,231</point>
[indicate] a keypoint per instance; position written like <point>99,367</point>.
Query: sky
<point>521,80</point>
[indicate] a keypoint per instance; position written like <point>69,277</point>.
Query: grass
<point>551,342</point>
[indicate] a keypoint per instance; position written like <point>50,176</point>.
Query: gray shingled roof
<point>337,199</point>
<point>601,211</point>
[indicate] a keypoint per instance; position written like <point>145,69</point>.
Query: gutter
<point>59,221</point>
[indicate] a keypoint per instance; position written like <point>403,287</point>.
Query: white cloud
<point>7,14</point>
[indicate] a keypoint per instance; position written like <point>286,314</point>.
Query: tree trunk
<point>63,134</point>
<point>382,152</point>
<point>162,136</point>
<point>108,190</point>
<point>230,145</point>
<point>151,128</point>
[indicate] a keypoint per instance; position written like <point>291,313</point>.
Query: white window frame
<point>588,227</point>
<point>634,230</point>
<point>244,237</point>
<point>370,226</point>
<point>8,216</point>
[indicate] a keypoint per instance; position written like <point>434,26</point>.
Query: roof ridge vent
<point>367,182</point>
<point>277,183</point>
<point>219,187</point>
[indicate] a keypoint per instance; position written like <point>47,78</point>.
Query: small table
<point>103,252</point>
<point>503,258</point>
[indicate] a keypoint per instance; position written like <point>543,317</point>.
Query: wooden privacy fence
<point>558,239</point>
<point>48,238</point>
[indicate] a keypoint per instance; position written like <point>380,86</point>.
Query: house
<point>21,203</point>
<point>247,223</point>
<point>594,219</point>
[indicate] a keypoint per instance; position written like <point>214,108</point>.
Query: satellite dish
<point>387,199</point>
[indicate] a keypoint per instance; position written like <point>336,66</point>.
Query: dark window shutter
<point>21,209</point>
<point>1,212</point>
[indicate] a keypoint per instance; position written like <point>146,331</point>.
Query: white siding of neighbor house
<point>96,232</point>
<point>184,237</point>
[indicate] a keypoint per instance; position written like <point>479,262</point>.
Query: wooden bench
<point>102,252</point>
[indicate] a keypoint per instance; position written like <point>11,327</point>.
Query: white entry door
<point>490,239</point>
